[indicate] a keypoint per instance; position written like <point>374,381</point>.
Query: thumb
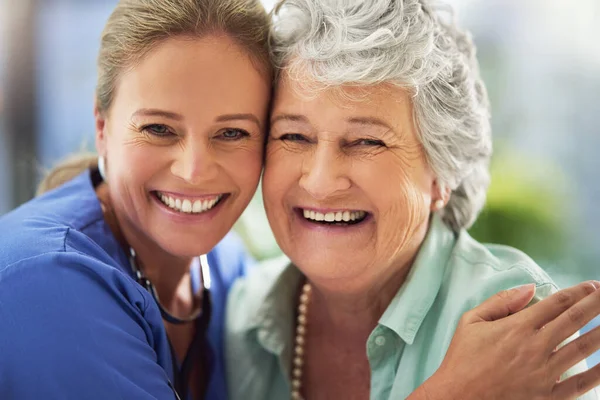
<point>504,303</point>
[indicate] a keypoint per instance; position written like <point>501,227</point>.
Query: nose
<point>195,163</point>
<point>324,172</point>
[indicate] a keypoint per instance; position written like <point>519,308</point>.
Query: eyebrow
<point>369,121</point>
<point>289,117</point>
<point>153,112</point>
<point>239,117</point>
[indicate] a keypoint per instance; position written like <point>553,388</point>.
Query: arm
<point>75,328</point>
<point>525,360</point>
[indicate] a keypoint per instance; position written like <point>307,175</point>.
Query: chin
<point>186,247</point>
<point>318,268</point>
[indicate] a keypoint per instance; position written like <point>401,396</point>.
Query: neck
<point>169,274</point>
<point>355,313</point>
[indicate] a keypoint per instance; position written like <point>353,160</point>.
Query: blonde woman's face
<point>347,188</point>
<point>183,143</point>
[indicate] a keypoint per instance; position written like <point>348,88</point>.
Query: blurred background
<point>539,58</point>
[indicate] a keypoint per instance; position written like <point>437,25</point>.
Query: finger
<point>577,385</point>
<point>572,320</point>
<point>550,308</point>
<point>502,304</point>
<point>575,351</point>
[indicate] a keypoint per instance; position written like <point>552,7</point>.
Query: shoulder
<point>43,224</point>
<point>258,327</point>
<point>54,277</point>
<point>249,293</point>
<point>480,270</point>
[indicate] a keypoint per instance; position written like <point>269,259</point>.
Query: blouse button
<point>379,340</point>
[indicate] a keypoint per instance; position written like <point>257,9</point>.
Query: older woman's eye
<point>157,130</point>
<point>370,142</point>
<point>233,134</point>
<point>293,137</point>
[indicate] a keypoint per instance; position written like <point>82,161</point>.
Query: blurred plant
<point>255,231</point>
<point>527,208</point>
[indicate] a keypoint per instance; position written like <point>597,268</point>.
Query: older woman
<point>377,162</point>
<point>101,294</point>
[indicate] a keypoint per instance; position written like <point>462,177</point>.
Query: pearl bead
<point>300,330</point>
<point>299,341</point>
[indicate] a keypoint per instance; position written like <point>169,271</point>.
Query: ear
<point>440,195</point>
<point>100,122</point>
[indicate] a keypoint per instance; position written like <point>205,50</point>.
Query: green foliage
<point>527,208</point>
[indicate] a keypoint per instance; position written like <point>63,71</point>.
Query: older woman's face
<point>347,188</point>
<point>184,143</point>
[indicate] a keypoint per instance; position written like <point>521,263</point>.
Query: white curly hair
<point>410,44</point>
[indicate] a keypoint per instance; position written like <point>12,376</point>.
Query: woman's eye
<point>370,142</point>
<point>233,134</point>
<point>157,130</point>
<point>293,137</point>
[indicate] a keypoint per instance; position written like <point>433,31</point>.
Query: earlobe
<point>442,195</point>
<point>438,205</point>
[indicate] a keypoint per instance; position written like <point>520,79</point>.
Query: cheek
<point>281,170</point>
<point>133,162</point>
<point>401,195</point>
<point>244,167</point>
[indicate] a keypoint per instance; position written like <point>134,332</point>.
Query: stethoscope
<point>200,316</point>
<point>145,282</point>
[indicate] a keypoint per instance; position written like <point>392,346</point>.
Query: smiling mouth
<point>339,218</point>
<point>188,206</point>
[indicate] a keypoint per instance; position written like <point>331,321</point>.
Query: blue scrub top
<point>74,323</point>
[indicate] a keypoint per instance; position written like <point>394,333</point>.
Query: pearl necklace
<point>299,342</point>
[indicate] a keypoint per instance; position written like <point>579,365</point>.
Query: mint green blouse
<point>451,275</point>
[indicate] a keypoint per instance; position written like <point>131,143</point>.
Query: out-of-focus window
<point>5,183</point>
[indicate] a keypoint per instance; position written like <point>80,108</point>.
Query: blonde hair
<point>135,27</point>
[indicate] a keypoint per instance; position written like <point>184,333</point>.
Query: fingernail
<point>525,288</point>
<point>596,284</point>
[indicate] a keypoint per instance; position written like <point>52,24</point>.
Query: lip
<point>190,196</point>
<point>329,228</point>
<point>184,217</point>
<point>328,210</point>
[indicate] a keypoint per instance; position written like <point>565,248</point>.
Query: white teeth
<point>197,207</point>
<point>188,206</point>
<point>338,216</point>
